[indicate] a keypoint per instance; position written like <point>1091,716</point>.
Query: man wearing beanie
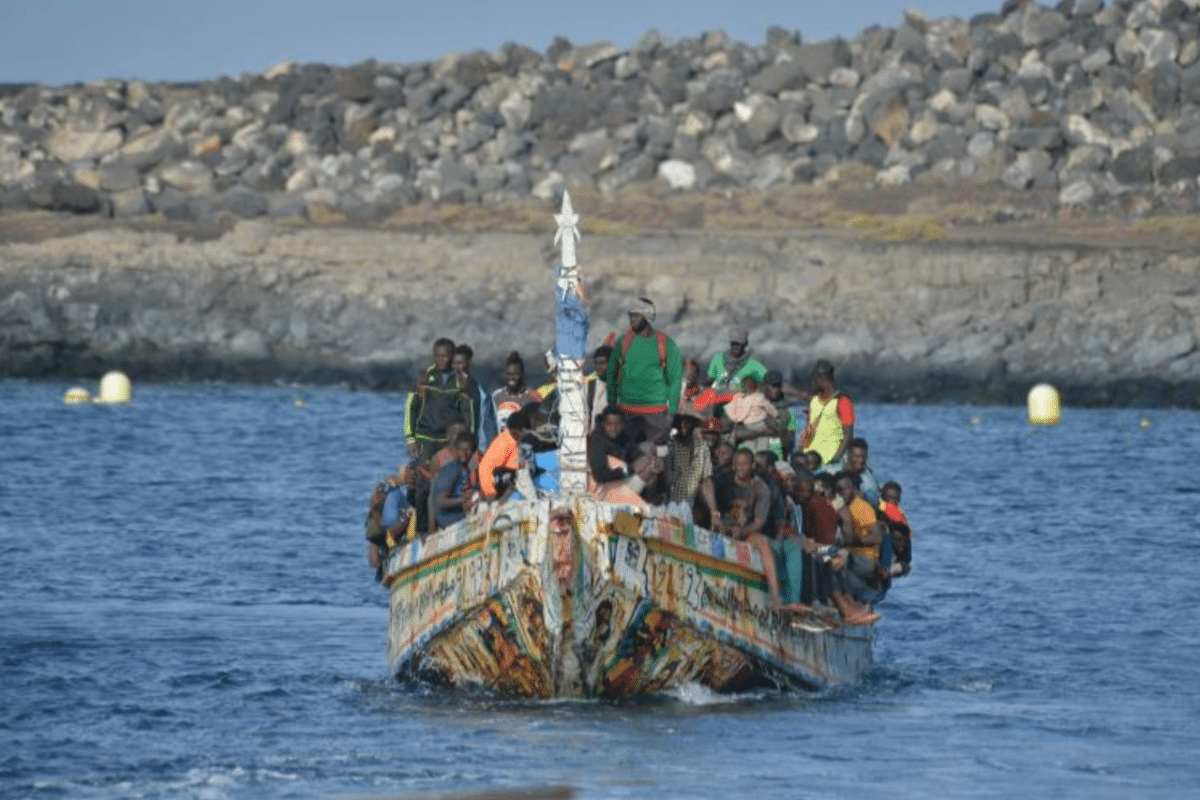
<point>644,375</point>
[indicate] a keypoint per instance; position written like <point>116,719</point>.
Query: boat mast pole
<point>571,328</point>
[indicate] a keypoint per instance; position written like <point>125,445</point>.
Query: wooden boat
<point>563,595</point>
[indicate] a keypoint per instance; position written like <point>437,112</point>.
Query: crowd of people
<point>726,442</point>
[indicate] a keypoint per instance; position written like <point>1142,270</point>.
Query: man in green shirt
<point>644,376</point>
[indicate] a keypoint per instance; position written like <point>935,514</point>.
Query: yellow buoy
<point>76,395</point>
<point>1144,423</point>
<point>115,387</point>
<point>1045,407</point>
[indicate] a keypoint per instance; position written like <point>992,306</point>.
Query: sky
<point>58,42</point>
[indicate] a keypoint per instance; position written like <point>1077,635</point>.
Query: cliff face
<point>902,321</point>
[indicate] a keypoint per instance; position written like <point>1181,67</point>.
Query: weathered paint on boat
<point>629,606</point>
<point>615,605</point>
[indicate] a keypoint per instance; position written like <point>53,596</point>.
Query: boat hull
<point>619,606</point>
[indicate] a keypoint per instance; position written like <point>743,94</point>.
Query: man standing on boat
<point>830,418</point>
<point>439,398</point>
<point>644,376</point>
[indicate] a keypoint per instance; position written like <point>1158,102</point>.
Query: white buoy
<point>76,395</point>
<point>1045,406</point>
<point>115,387</point>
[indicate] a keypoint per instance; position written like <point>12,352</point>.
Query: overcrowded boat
<point>558,591</point>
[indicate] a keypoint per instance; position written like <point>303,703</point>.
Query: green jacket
<point>716,372</point>
<point>646,384</point>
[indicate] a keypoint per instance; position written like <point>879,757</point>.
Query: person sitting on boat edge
<point>825,578</point>
<point>453,486</point>
<point>856,464</point>
<point>785,540</point>
<point>390,517</point>
<point>889,503</point>
<point>499,465</point>
<point>617,473</point>
<point>644,376</point>
<point>863,533</point>
<point>744,517</point>
<point>440,459</point>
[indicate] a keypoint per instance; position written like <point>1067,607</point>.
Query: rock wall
<point>1094,101</point>
<point>902,322</point>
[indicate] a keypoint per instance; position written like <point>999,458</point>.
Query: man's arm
<point>411,412</point>
<point>845,527</point>
<point>709,495</point>
<point>762,507</point>
<point>845,412</point>
<point>674,376</point>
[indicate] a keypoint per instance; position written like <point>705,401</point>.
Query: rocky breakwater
<point>903,321</point>
<point>1096,103</point>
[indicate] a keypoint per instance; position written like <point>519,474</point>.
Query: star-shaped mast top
<point>567,234</point>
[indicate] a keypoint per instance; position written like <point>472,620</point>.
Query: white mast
<point>571,326</point>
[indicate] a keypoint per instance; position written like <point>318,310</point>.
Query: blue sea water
<point>187,614</point>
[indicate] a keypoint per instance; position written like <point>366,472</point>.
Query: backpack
<point>627,342</point>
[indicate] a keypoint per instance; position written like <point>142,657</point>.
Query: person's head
<point>890,492</point>
<point>518,422</point>
<point>803,488</point>
<point>600,359</point>
<point>443,353</point>
<point>812,460</point>
<point>612,421</point>
<point>738,339</point>
<point>786,476</point>
<point>641,314</point>
<point>824,485</point>
<point>722,454</point>
<point>822,376</point>
<point>685,427</point>
<point>514,372</point>
<point>773,385</point>
<point>764,462</point>
<point>711,431</point>
<point>846,486</point>
<point>743,464</point>
<point>749,384</point>
<point>464,446</point>
<point>462,359</point>
<point>856,455</point>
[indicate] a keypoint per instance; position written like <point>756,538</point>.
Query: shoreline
<point>914,321</point>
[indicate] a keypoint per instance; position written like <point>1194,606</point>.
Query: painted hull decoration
<point>569,596</point>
